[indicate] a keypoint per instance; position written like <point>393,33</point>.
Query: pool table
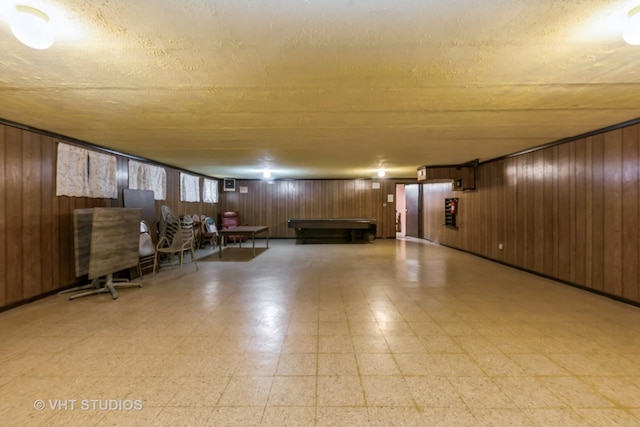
<point>351,228</point>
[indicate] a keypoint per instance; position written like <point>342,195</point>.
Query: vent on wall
<point>229,184</point>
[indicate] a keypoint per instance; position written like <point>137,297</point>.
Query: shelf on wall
<point>463,176</point>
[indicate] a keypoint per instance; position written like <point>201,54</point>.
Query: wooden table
<point>106,241</point>
<point>249,230</point>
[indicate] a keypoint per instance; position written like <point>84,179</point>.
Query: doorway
<point>401,211</point>
<point>412,210</point>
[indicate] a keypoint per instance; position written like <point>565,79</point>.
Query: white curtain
<point>72,172</point>
<point>210,191</point>
<point>146,177</point>
<point>189,188</point>
<point>85,173</point>
<point>102,176</point>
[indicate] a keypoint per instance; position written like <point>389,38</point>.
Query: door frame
<point>418,212</point>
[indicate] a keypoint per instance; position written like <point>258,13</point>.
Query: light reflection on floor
<point>395,332</point>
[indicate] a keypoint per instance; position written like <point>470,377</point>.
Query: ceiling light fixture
<point>32,27</point>
<point>381,173</point>
<point>631,32</point>
<point>266,174</point>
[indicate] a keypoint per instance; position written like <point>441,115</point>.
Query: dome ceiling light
<point>631,32</point>
<point>32,27</point>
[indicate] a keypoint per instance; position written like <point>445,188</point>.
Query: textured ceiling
<point>323,88</point>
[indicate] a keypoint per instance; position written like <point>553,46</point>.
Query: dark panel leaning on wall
<point>568,211</point>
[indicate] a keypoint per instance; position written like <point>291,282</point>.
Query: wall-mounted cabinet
<point>451,212</point>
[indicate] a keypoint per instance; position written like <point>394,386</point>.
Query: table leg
<point>253,239</point>
<point>94,284</point>
<point>109,285</point>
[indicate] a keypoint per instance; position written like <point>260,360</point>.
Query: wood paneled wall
<point>36,226</point>
<point>274,203</point>
<point>570,212</point>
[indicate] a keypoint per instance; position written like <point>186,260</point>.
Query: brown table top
<point>244,229</point>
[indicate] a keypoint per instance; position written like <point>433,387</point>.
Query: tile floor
<point>386,333</point>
